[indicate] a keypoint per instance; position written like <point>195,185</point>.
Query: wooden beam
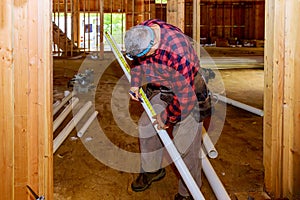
<point>281,101</point>
<point>268,91</point>
<point>196,24</point>
<point>26,99</point>
<point>45,100</point>
<point>139,8</point>
<point>273,97</point>
<point>291,108</point>
<point>7,101</point>
<point>21,93</point>
<point>175,13</point>
<point>101,29</point>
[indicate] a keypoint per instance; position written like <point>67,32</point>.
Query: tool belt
<point>202,92</point>
<point>204,97</point>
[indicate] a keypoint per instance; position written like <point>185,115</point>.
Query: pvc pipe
<point>56,103</point>
<point>175,156</point>
<point>87,124</point>
<point>64,113</point>
<point>63,102</point>
<point>240,105</point>
<point>213,179</point>
<point>208,145</point>
<point>69,127</point>
<point>66,93</point>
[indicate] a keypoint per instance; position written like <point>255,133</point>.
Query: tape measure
<point>117,52</point>
<point>147,102</point>
<point>125,66</point>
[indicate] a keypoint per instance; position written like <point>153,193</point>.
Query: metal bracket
<point>37,197</point>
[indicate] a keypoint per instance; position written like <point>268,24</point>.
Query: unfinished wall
<point>229,20</point>
<point>26,99</point>
<point>241,19</point>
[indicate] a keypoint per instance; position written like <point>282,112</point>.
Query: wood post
<point>175,13</point>
<point>7,101</point>
<point>26,99</point>
<point>101,28</point>
<point>291,104</point>
<point>281,101</point>
<point>196,24</point>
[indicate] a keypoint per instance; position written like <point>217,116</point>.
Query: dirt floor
<point>103,163</point>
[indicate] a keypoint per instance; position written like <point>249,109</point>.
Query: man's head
<point>138,41</point>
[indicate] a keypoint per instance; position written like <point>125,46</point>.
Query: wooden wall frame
<point>282,99</point>
<point>26,156</point>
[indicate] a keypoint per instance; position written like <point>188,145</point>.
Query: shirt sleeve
<point>136,76</point>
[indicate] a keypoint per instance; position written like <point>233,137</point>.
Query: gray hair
<point>138,39</point>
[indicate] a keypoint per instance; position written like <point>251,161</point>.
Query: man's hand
<point>159,122</point>
<point>134,93</point>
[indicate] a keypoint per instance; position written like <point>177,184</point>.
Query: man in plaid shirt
<point>165,61</point>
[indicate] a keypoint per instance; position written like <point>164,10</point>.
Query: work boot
<point>180,197</point>
<point>144,180</point>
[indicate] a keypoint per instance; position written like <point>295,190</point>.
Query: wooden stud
<point>101,29</point>
<point>196,24</point>
<point>72,26</point>
<point>175,13</point>
<point>281,101</point>
<point>58,22</point>
<point>7,100</point>
<point>26,97</point>
<point>66,44</point>
<point>291,108</point>
<point>89,22</point>
<point>45,100</point>
<point>273,135</point>
<point>21,93</point>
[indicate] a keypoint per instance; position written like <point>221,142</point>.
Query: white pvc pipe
<point>63,102</point>
<point>213,179</point>
<point>175,156</point>
<point>208,145</point>
<point>69,127</point>
<point>240,105</point>
<point>66,93</point>
<point>87,124</point>
<point>56,104</point>
<point>64,113</point>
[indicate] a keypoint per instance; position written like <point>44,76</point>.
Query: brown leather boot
<point>144,180</point>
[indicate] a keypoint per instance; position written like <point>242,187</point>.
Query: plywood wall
<point>25,96</point>
<point>281,101</point>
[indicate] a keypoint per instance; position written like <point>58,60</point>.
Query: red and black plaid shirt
<point>174,65</point>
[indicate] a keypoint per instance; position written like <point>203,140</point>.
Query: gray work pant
<point>186,137</point>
